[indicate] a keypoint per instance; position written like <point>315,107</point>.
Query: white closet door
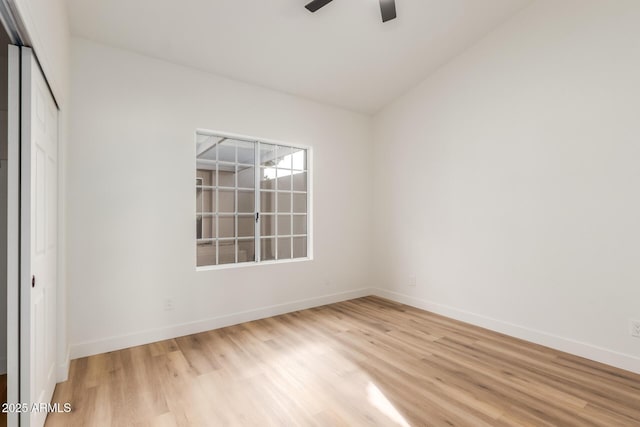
<point>38,240</point>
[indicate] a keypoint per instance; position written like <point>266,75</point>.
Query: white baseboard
<point>620,360</point>
<point>62,373</point>
<point>588,351</point>
<point>89,348</point>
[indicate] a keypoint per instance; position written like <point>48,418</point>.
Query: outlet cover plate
<point>634,325</point>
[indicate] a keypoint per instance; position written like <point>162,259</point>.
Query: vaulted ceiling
<point>342,55</point>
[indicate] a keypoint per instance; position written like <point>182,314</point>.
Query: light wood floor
<point>362,362</point>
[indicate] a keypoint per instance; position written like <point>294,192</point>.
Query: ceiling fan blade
<point>317,4</point>
<point>388,9</point>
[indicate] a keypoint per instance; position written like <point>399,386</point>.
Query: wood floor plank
<point>369,362</point>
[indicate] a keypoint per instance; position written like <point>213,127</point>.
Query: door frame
<point>13,234</point>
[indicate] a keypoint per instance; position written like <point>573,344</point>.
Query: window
<point>252,201</point>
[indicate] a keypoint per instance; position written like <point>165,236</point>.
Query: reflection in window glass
<point>246,250</point>
<point>268,249</point>
<point>284,248</point>
<point>267,225</point>
<point>284,225</point>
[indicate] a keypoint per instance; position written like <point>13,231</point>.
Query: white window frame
<point>257,236</point>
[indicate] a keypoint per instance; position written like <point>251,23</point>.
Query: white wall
<point>131,173</point>
<point>508,181</point>
<point>48,27</point>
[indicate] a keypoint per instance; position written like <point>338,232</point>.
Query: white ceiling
<point>342,55</point>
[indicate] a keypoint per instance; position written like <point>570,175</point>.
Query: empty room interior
<point>320,213</point>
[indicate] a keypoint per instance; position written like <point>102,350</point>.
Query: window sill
<point>251,264</point>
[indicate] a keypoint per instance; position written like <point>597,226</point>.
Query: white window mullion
<point>256,217</point>
<point>216,218</point>
<point>275,217</point>
<point>235,215</point>
<point>308,215</point>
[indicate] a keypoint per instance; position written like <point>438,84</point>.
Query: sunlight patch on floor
<point>380,402</point>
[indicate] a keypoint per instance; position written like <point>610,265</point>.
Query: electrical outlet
<point>168,304</point>
<point>412,280</point>
<point>634,326</point>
